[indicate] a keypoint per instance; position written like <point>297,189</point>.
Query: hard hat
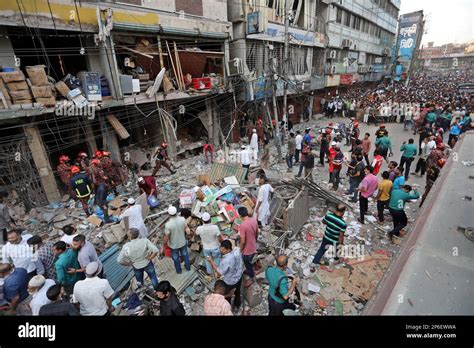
<point>206,217</point>
<point>106,153</point>
<point>82,154</point>
<point>172,210</point>
<point>356,124</point>
<point>95,161</point>
<point>382,126</point>
<point>330,124</point>
<point>98,154</point>
<point>63,158</point>
<point>164,145</point>
<point>75,169</point>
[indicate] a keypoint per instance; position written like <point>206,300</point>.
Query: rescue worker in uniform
<point>99,179</point>
<point>82,162</point>
<point>162,158</point>
<point>64,171</point>
<point>111,169</point>
<point>82,186</point>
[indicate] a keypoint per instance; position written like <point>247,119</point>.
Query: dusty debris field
<point>335,289</point>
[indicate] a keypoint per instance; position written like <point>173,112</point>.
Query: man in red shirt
<point>208,149</point>
<point>377,163</point>
<point>248,241</point>
<point>147,184</point>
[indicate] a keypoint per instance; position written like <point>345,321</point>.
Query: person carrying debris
<point>333,234</point>
<point>231,269</point>
<point>147,184</point>
<point>279,290</point>
<point>162,159</point>
<point>139,253</point>
<point>169,302</point>
<point>64,171</point>
<point>175,237</point>
<point>135,217</point>
<point>396,207</point>
<point>262,209</point>
<point>81,184</point>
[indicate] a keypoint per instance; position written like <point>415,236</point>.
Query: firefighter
<point>113,170</point>
<point>162,158</point>
<point>64,170</point>
<point>82,161</point>
<point>99,179</point>
<point>82,186</point>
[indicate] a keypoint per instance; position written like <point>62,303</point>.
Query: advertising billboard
<point>410,28</point>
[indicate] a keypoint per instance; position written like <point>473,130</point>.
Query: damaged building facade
<point>82,76</point>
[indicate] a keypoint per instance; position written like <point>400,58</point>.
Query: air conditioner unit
<point>346,43</point>
<point>371,68</point>
<point>332,54</point>
<point>235,67</point>
<point>385,51</point>
<point>363,69</point>
<point>333,69</point>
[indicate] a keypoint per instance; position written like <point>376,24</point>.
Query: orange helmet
<point>63,158</point>
<point>95,161</point>
<point>98,154</point>
<point>75,169</point>
<point>82,154</point>
<point>356,124</point>
<point>106,153</point>
<point>164,145</point>
<point>382,126</point>
<point>441,162</point>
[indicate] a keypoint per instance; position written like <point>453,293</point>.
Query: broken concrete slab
<point>60,225</point>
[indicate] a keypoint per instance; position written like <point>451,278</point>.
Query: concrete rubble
<point>341,289</point>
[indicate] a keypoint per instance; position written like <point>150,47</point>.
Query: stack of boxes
<point>41,88</point>
<point>15,89</point>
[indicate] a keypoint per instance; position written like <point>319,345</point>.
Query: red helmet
<point>98,154</point>
<point>95,161</point>
<point>440,146</point>
<point>356,124</point>
<point>328,131</point>
<point>164,145</point>
<point>441,162</point>
<point>330,124</point>
<point>75,169</point>
<point>63,158</point>
<point>82,154</point>
<point>382,126</point>
<point>106,153</point>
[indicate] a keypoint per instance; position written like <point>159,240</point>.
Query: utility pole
<point>286,68</point>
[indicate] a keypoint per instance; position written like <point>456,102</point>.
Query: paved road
<point>438,275</point>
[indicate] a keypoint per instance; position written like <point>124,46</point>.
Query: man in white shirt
<point>37,287</point>
<point>18,252</point>
<point>254,144</point>
<point>299,142</point>
<point>263,201</point>
<point>135,217</point>
<point>210,238</point>
<point>69,234</point>
<point>93,294</point>
<point>245,160</point>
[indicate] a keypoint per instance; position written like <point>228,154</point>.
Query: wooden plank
<point>118,127</point>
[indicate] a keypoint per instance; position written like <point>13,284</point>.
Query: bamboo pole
<point>178,64</point>
<point>172,64</point>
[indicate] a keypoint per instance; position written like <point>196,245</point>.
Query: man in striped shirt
<point>334,233</point>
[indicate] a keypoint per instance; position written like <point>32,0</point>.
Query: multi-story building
<point>361,34</point>
<point>257,51</point>
<point>449,56</point>
<point>126,43</point>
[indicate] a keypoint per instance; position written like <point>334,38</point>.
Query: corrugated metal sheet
<point>165,271</point>
<point>117,275</point>
<point>224,170</point>
<point>119,128</point>
<point>297,213</point>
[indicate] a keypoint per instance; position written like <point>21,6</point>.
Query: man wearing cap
<point>162,159</point>
<point>175,237</point>
<point>210,238</point>
<point>135,217</point>
<point>262,208</point>
<point>147,184</point>
<point>93,294</point>
<point>248,231</point>
<point>245,160</point>
<point>139,253</point>
<point>81,184</point>
<point>37,288</point>
<point>254,144</point>
<point>86,254</point>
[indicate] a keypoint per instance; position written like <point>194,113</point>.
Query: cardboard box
<point>42,91</point>
<point>17,86</point>
<point>203,179</point>
<point>93,219</point>
<point>62,88</point>
<point>17,95</point>
<point>37,75</point>
<point>13,76</point>
<point>51,101</point>
<point>200,195</point>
